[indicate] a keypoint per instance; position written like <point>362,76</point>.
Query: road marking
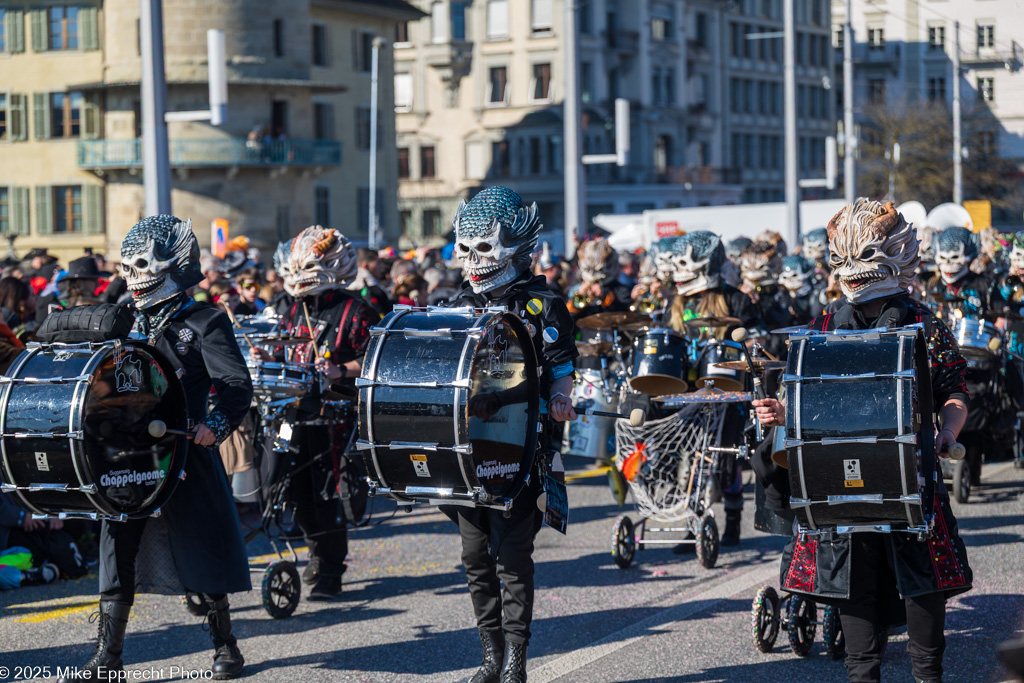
<point>675,609</point>
<point>599,472</point>
<point>63,607</point>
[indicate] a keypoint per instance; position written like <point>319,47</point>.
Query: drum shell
<point>718,351</point>
<point>592,436</point>
<point>976,338</point>
<point>276,381</point>
<point>660,363</point>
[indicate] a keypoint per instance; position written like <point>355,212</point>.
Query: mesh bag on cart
<point>659,487</point>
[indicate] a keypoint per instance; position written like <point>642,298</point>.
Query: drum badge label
<point>127,373</point>
<point>851,469</point>
<point>419,463</point>
<point>42,463</point>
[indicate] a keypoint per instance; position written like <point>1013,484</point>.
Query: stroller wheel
<point>832,633</point>
<point>623,542</point>
<point>764,619</point>
<point>801,615</point>
<point>281,589</point>
<point>707,542</point>
<point>194,604</point>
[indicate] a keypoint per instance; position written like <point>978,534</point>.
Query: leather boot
<point>731,536</point>
<point>112,620</point>
<point>227,660</point>
<point>490,668</point>
<point>514,670</point>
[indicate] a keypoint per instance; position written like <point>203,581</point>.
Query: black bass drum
<point>660,363</point>
<point>449,407</point>
<point>74,429</point>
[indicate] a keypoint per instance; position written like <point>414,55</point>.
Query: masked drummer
<point>495,235</point>
<point>195,544</point>
<point>889,578</point>
<point>317,267</point>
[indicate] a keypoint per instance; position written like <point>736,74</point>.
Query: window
<point>876,89</point>
<point>66,114</point>
<point>279,118</point>
<point>283,222</point>
<point>497,20</point>
<point>278,38</point>
<point>476,166</point>
<point>586,82</point>
<point>3,33</point>
<point>986,35</point>
<point>402,33</point>
<point>662,154</point>
<point>3,116</point>
<point>876,38</point>
<point>817,15</point>
<point>837,37</point>
<point>937,89</point>
<point>937,37</point>
<point>535,156</point>
<point>986,144</point>
<point>701,29</point>
<point>362,50</point>
<point>322,206</point>
<point>585,15</point>
<point>500,165</point>
<point>801,48</point>
<point>5,211</point>
<point>613,83</point>
<point>403,92</point>
<point>405,221</point>
<point>661,29</point>
<point>319,45</point>
<point>541,82</point>
<point>67,208</point>
<point>986,88</point>
<point>63,23</point>
<point>403,162</point>
<point>323,121</point>
<point>736,31</point>
<point>439,23</point>
<point>540,16</point>
<point>363,127</point>
<point>458,10</point>
<point>656,86</point>
<point>498,85</point>
<point>670,86</point>
<point>428,167</point>
<point>431,222</point>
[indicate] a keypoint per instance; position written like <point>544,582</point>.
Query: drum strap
<point>342,325</point>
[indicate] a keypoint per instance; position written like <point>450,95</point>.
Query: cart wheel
<point>764,619</point>
<point>281,589</point>
<point>962,480</point>
<point>801,614</point>
<point>194,604</point>
<point>832,633</point>
<point>623,542</point>
<point>707,542</point>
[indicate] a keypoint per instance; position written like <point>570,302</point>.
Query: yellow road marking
<point>589,474</point>
<point>62,607</point>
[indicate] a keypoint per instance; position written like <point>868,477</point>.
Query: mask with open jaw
<point>796,275</point>
<point>761,262</point>
<point>281,256</point>
<point>814,246</point>
<point>874,251</point>
<point>160,259</point>
<point>734,249</point>
<point>697,259</point>
<point>661,254</point>
<point>598,262</point>
<point>1017,254</point>
<point>495,235</point>
<point>954,249</point>
<point>319,259</point>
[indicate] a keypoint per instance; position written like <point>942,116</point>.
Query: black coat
<point>196,542</point>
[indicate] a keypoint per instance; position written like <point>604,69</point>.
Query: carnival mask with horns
<point>873,250</point>
<point>697,259</point>
<point>955,248</point>
<point>317,260</point>
<point>814,246</point>
<point>761,262</point>
<point>495,235</point>
<point>160,259</point>
<point>598,262</point>
<point>1017,254</point>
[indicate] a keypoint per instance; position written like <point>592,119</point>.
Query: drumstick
<point>234,321</point>
<point>636,417</point>
<point>309,326</point>
<point>158,429</point>
<point>739,335</point>
<point>956,451</point>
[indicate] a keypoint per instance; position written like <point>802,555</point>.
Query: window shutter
<point>92,209</point>
<point>403,91</point>
<point>15,25</point>
<point>91,116</point>
<point>42,115</point>
<point>356,64</point>
<point>541,15</point>
<point>88,23</point>
<point>38,18</point>
<point>44,210</point>
<point>19,210</point>
<point>19,117</point>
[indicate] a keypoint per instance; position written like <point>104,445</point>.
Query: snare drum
<point>74,437</point>
<point>719,351</point>
<point>281,381</point>
<point>593,436</point>
<point>978,339</point>
<point>424,371</point>
<point>659,363</point>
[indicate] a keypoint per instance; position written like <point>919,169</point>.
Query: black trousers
<point>313,493</point>
<point>867,615</point>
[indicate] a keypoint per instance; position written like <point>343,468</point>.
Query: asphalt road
<point>405,614</point>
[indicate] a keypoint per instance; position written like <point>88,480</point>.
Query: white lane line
<point>674,610</point>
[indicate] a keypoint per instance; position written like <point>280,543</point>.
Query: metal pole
<point>575,182</point>
<point>374,68</point>
<point>156,164</point>
<point>792,152</point>
<point>958,152</point>
<point>849,141</point>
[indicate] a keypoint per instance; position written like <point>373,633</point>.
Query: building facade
<point>70,153</point>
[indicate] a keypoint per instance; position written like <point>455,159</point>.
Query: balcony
<point>887,55</point>
<point>700,175</point>
<point>697,51</point>
<point>621,40</point>
<point>212,153</point>
<point>1009,58</point>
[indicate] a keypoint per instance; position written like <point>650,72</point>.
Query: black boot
<point>731,536</point>
<point>227,660</point>
<point>514,670</point>
<point>494,646</point>
<point>112,620</point>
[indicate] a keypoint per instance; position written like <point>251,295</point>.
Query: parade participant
<point>317,266</point>
<point>814,248</point>
<point>760,266</point>
<point>804,298</point>
<point>646,295</point>
<point>367,281</point>
<point>956,287</point>
<point>874,254</point>
<point>495,235</point>
<point>195,545</point>
<point>733,252</point>
<point>550,266</point>
<point>599,289</point>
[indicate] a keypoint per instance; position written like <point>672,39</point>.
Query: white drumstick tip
<point>957,451</point>
<point>740,334</point>
<point>157,429</point>
<point>637,418</point>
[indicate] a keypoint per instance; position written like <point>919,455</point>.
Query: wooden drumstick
<point>309,326</point>
<point>158,429</point>
<point>636,417</point>
<point>234,321</point>
<point>957,451</point>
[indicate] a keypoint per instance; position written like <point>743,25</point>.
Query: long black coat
<point>196,542</point>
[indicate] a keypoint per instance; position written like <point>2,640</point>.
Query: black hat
<point>84,269</point>
<point>36,252</point>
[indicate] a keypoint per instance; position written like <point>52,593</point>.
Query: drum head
<point>658,385</point>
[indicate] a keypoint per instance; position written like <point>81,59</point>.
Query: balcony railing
<point>226,152</point>
<point>1009,58</point>
<point>700,175</point>
<point>622,40</point>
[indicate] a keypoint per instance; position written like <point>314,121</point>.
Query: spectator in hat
<point>248,284</point>
<point>75,287</point>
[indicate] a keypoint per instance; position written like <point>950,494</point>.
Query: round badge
<point>534,306</point>
<point>185,334</point>
<point>550,334</point>
<point>181,348</point>
<point>531,329</point>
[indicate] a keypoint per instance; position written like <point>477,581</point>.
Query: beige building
<point>70,154</point>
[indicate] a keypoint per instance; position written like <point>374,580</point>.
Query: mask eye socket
<point>484,248</point>
<point>463,248</point>
<point>142,263</point>
<point>868,254</point>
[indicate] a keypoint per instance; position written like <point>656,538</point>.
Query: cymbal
<point>790,330</point>
<point>758,363</point>
<point>712,321</point>
<point>705,395</point>
<point>282,341</point>
<point>604,321</point>
<point>598,348</point>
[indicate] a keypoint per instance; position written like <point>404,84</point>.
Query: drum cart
<point>798,617</point>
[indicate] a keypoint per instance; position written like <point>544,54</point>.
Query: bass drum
<point>74,429</point>
<point>448,406</point>
<point>593,436</point>
<point>659,363</point>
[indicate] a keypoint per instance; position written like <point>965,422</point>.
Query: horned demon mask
<point>598,262</point>
<point>1017,254</point>
<point>796,275</point>
<point>873,250</point>
<point>160,259</point>
<point>761,262</point>
<point>648,272</point>
<point>495,235</point>
<point>661,254</point>
<point>954,248</point>
<point>697,259</point>
<point>318,259</point>
<point>814,246</point>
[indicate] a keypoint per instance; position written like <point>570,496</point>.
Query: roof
<point>399,9</point>
<point>322,86</point>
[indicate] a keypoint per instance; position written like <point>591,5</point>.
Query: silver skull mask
<point>955,249</point>
<point>1017,255</point>
<point>697,259</point>
<point>160,259</point>
<point>495,235</point>
<point>796,275</point>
